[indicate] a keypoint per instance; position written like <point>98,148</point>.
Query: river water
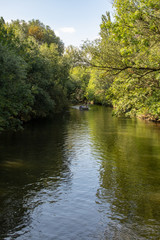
<point>81,176</point>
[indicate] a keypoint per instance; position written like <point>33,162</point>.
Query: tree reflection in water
<point>129,192</point>
<point>86,175</point>
<point>32,166</point>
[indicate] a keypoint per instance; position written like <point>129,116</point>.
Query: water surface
<point>84,175</point>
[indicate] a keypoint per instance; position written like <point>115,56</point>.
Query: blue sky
<point>74,21</point>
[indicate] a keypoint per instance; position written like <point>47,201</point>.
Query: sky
<point>73,21</point>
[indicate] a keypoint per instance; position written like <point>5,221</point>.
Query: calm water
<point>86,175</point>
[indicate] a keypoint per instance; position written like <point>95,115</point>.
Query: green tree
<point>15,94</point>
<point>127,57</point>
<point>34,74</point>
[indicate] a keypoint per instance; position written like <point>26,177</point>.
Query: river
<point>81,176</point>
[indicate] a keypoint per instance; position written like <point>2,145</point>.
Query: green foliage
<point>34,74</point>
<point>97,87</point>
<point>15,94</point>
<point>37,30</point>
<point>121,68</point>
<point>80,77</point>
<point>125,61</point>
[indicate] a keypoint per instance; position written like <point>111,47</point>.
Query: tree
<point>34,74</point>
<point>127,57</point>
<point>15,94</point>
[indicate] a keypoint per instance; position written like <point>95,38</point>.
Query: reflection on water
<point>85,175</point>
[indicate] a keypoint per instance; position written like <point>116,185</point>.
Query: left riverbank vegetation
<point>34,73</point>
<point>121,68</point>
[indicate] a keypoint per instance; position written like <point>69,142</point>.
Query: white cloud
<point>57,33</point>
<point>67,30</point>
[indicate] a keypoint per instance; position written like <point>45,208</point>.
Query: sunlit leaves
<point>36,32</point>
<point>127,58</point>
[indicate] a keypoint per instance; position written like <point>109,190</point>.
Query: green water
<point>81,176</point>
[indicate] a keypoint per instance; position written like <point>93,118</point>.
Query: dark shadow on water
<point>30,161</point>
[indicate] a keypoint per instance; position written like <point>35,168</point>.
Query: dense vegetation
<point>34,73</point>
<point>124,63</point>
<point>121,68</point>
